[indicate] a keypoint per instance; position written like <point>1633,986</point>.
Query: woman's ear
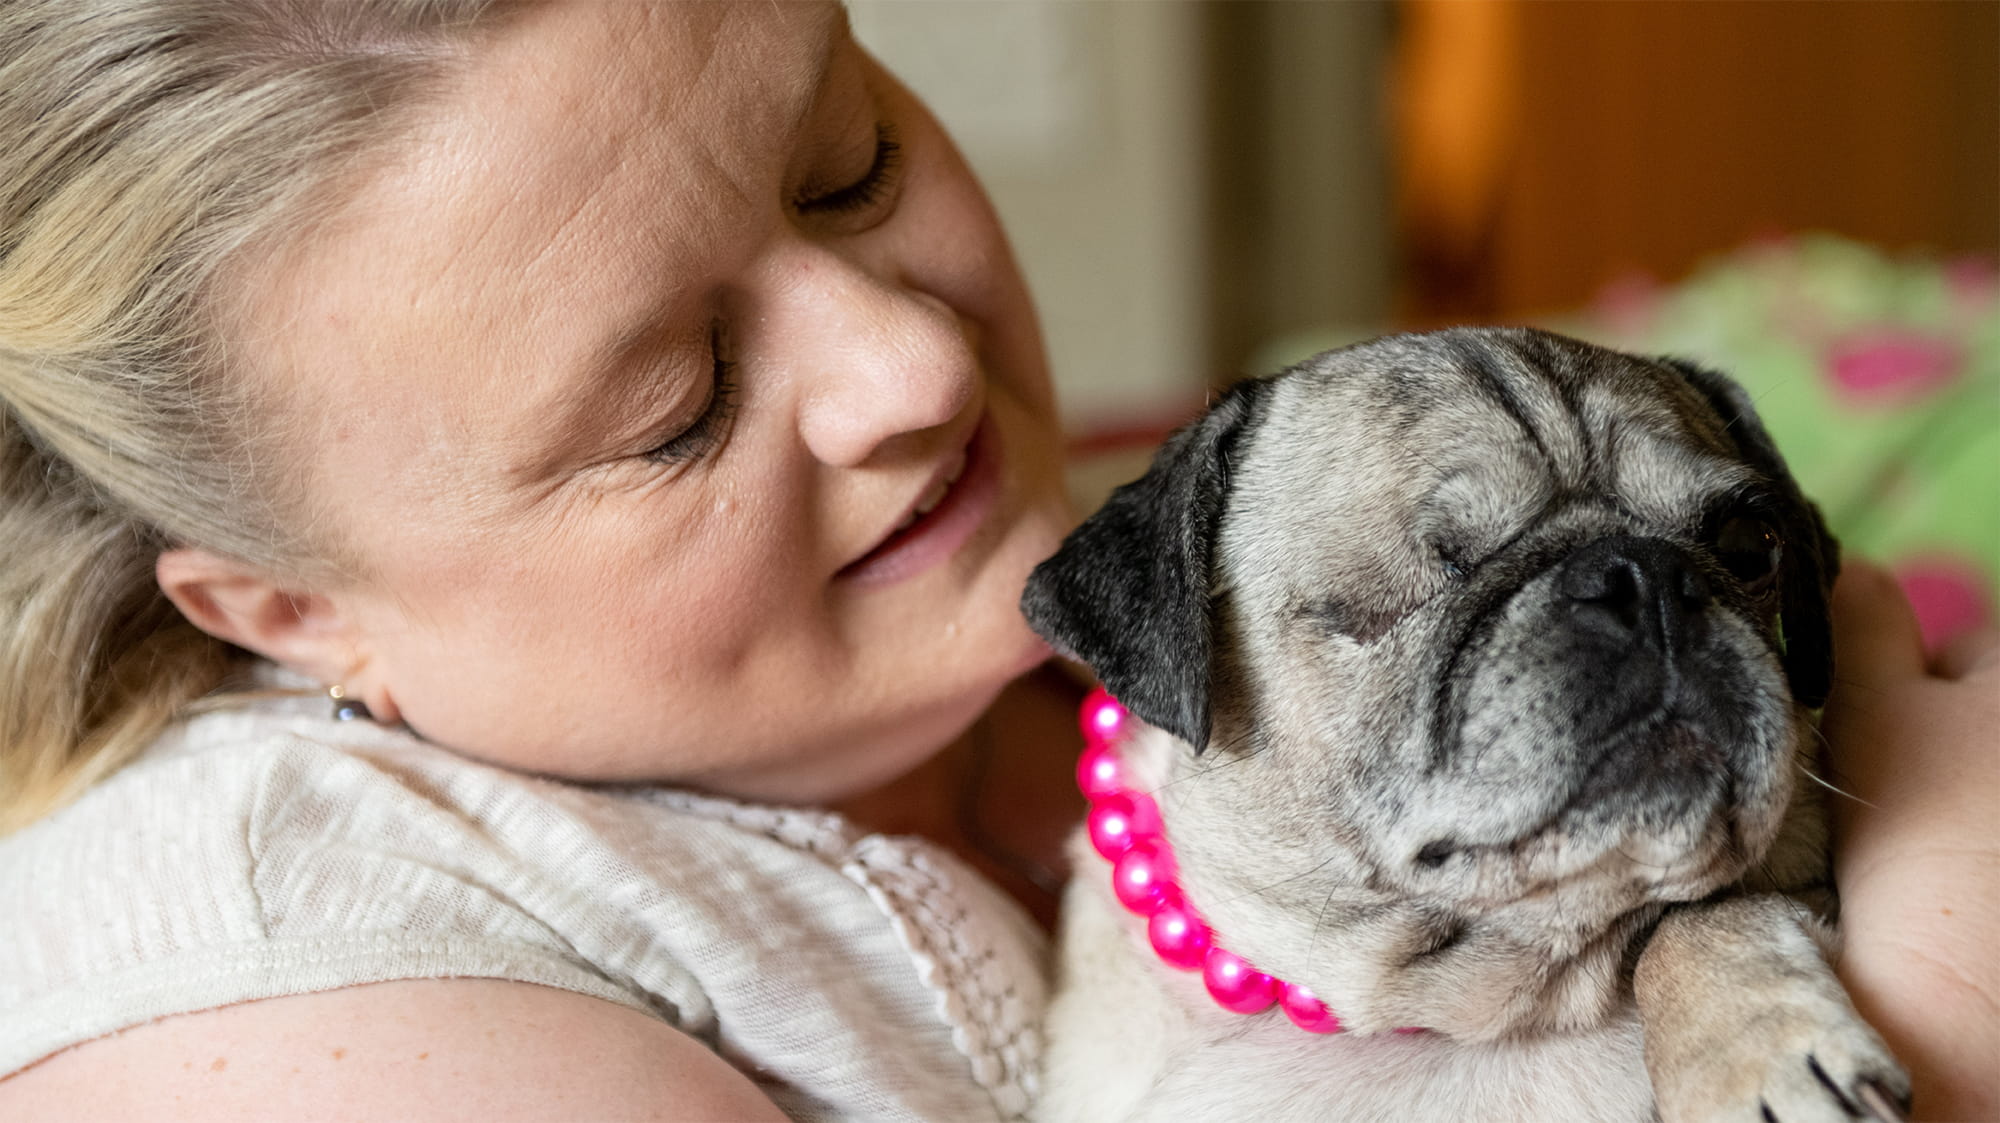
<point>312,633</point>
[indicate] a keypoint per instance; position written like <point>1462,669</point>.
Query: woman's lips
<point>942,519</point>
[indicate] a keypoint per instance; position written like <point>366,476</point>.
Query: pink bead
<point>1119,822</point>
<point>1178,935</point>
<point>1101,717</point>
<point>1142,878</point>
<point>1235,985</point>
<point>1306,1010</point>
<point>1099,772</point>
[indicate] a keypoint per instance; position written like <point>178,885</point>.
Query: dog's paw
<point>1798,1062</point>
<point>1745,1020</point>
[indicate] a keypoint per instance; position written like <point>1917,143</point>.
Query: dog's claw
<point>1832,1088</point>
<point>1845,1075</point>
<point>1878,1102</point>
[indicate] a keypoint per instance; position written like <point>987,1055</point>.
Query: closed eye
<point>1357,620</point>
<point>865,192</point>
<point>705,434</point>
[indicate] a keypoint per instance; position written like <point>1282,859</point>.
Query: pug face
<point>1474,640</point>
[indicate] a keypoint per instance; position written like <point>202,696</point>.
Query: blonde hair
<point>150,145</point>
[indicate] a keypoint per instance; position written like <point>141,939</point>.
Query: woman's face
<point>622,382</point>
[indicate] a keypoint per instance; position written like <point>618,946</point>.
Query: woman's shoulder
<point>264,850</point>
<point>261,850</point>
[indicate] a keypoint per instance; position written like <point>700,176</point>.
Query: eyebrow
<point>837,32</point>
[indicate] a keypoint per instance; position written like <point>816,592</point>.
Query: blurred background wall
<point>1196,187</point>
<point>1080,119</point>
<point>1543,149</point>
<point>1180,180</point>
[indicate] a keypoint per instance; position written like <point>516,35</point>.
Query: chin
<point>990,657</point>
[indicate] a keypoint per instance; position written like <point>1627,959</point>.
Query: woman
<point>589,392</point>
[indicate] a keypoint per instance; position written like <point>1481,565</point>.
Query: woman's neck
<point>1001,796</point>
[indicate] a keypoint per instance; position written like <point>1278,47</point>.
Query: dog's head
<point>1499,629</point>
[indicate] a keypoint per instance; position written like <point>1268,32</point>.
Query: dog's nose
<point>1644,589</point>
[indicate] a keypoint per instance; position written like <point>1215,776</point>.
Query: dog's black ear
<point>1813,557</point>
<point>1128,593</point>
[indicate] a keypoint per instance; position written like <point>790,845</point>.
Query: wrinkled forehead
<point>1372,432</point>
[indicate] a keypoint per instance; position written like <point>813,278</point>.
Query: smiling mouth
<point>934,496</point>
<point>944,517</point>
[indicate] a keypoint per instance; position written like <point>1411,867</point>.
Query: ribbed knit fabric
<point>267,851</point>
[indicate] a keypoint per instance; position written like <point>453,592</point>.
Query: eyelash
<point>706,432</point>
<point>869,189</point>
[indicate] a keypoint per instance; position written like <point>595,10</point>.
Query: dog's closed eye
<point>1359,622</point>
<point>1472,512</point>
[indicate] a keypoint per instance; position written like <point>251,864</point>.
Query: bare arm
<point>472,1049</point>
<point>1918,864</point>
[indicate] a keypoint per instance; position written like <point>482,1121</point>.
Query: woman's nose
<point>874,359</point>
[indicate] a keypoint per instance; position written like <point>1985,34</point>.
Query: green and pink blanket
<point>1878,376</point>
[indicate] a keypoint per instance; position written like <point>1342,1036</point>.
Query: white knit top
<point>268,850</point>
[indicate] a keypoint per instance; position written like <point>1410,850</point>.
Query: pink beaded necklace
<point>1125,827</point>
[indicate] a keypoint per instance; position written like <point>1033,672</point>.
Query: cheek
<point>630,603</point>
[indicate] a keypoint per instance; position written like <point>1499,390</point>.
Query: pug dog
<point>1475,670</point>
